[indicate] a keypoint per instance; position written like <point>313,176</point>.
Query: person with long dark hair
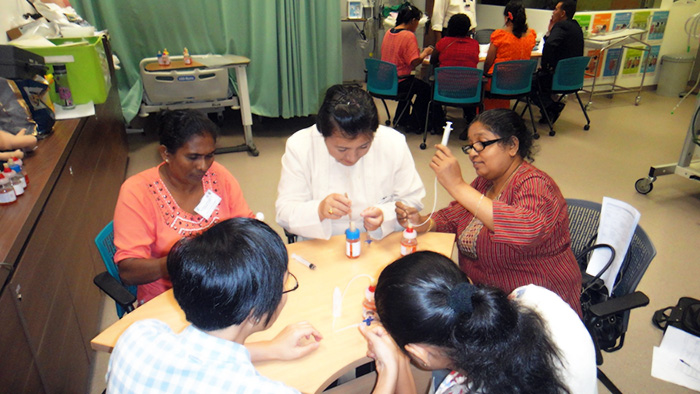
<point>514,41</point>
<point>511,221</point>
<point>527,342</point>
<point>400,47</point>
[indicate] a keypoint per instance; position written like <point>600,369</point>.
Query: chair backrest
<point>105,245</point>
<point>569,74</point>
<point>483,36</point>
<point>584,218</point>
<point>513,77</point>
<point>382,78</point>
<point>457,85</point>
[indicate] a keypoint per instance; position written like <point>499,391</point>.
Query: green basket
<point>88,72</point>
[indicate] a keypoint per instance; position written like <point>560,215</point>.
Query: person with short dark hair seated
<point>530,341</point>
<point>231,281</point>
<point>564,39</point>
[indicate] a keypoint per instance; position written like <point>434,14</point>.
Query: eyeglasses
<point>479,145</point>
<point>296,283</point>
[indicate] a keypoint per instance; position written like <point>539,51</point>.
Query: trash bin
<point>674,74</point>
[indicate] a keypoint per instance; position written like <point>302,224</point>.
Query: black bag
<point>685,316</point>
<point>607,329</point>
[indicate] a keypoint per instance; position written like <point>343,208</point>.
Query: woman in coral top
<point>514,41</point>
<point>183,196</point>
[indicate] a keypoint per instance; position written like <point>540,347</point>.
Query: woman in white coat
<point>346,168</point>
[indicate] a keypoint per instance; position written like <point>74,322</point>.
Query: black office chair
<point>584,218</point>
<point>483,36</point>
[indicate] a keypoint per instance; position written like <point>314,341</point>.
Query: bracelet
<point>478,205</point>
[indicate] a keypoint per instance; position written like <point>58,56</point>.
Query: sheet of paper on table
<point>677,360</point>
<point>80,111</point>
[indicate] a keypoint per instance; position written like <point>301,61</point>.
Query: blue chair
<point>109,281</point>
<point>584,218</point>
<point>568,78</point>
<point>383,83</point>
<point>456,87</point>
<point>513,80</point>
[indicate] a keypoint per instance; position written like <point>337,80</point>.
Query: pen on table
<point>689,366</point>
<point>303,261</point>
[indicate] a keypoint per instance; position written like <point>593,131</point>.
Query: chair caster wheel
<point>587,127</point>
<point>536,136</point>
<point>552,133</point>
<point>388,122</point>
<point>422,145</point>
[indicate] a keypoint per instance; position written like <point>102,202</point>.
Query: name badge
<point>207,204</point>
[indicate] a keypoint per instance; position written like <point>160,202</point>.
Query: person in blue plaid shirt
<point>231,281</point>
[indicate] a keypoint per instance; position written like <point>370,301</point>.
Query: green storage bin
<point>88,73</point>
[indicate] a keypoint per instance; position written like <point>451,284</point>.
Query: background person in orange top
<point>400,47</point>
<point>160,205</point>
<point>513,42</point>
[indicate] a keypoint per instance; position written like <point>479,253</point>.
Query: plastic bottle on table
<point>352,241</point>
<point>19,162</point>
<point>7,192</point>
<point>409,242</point>
<point>369,309</point>
<point>18,170</point>
<point>65,97</point>
<point>166,57</point>
<point>14,180</point>
<point>159,56</point>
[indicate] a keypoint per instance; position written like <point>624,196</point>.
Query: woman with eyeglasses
<point>346,168</point>
<point>511,222</point>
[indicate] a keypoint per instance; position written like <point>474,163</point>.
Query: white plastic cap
<point>260,216</point>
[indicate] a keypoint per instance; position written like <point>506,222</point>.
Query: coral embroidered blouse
<point>509,47</point>
<point>148,221</point>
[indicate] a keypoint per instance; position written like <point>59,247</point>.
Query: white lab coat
<point>386,174</point>
<point>443,10</point>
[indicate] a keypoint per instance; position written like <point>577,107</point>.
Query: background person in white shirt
<point>443,10</point>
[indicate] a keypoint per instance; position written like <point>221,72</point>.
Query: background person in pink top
<point>400,47</point>
<point>183,196</point>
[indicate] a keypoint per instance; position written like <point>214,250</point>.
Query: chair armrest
<point>115,290</point>
<point>620,304</point>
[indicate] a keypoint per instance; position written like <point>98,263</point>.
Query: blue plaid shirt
<point>150,358</point>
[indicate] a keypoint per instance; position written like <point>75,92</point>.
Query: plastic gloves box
<point>86,65</point>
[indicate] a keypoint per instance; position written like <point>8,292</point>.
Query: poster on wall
<point>631,62</point>
<point>612,62</point>
<point>601,23</point>
<point>585,22</point>
<point>640,19</point>
<point>657,27</point>
<point>594,54</point>
<point>653,58</point>
<point>622,20</point>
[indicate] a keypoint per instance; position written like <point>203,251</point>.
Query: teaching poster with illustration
<point>622,20</point>
<point>657,27</point>
<point>640,19</point>
<point>653,58</point>
<point>612,62</point>
<point>593,54</point>
<point>585,22</point>
<point>601,23</point>
<point>632,61</point>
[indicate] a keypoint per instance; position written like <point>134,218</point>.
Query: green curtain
<point>294,46</point>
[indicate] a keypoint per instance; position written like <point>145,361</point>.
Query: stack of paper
<point>677,360</point>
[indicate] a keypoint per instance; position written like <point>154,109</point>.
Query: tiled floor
<point>623,142</point>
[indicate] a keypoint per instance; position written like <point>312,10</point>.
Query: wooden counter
<point>49,307</point>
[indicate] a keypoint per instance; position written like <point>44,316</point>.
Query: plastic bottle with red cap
<point>409,242</point>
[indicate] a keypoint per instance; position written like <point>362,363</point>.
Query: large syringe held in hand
<point>446,134</point>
